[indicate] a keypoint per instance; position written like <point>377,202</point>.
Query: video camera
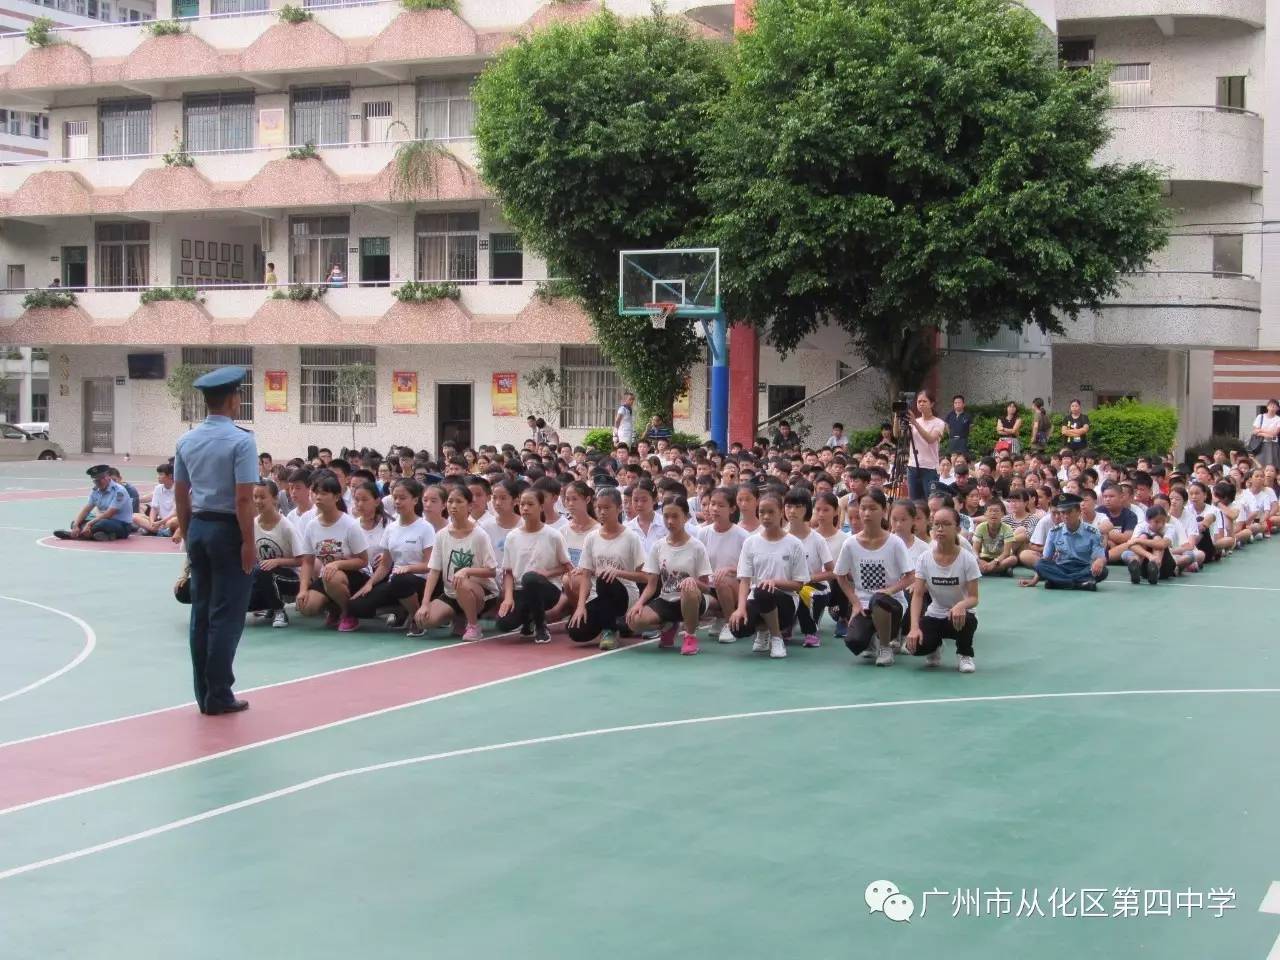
<point>903,405</point>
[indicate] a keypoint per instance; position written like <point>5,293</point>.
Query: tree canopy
<point>894,165</point>
<point>588,133</point>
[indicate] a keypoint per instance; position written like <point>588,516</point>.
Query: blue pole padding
<point>718,336</point>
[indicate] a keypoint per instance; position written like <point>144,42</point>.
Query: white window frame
<point>210,358</point>
<point>318,377</point>
<point>590,387</point>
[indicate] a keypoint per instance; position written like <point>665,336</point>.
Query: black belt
<point>213,516</point>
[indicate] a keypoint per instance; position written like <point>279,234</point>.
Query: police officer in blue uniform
<point>215,471</point>
<point>111,508</point>
<point>1074,556</point>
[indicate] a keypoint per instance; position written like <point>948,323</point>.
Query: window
<point>1231,93</point>
<point>228,7</point>
<point>124,252</point>
<point>319,115</point>
<point>40,401</point>
<point>210,358</point>
<point>1131,84</point>
<point>448,246</point>
<point>506,258</point>
<point>591,387</point>
<point>317,244</point>
<point>16,276</point>
<point>124,128</point>
<point>783,397</point>
<point>38,354</point>
<point>75,139</point>
<point>445,111</point>
<point>10,407</point>
<point>1228,254</point>
<point>1226,420</point>
<point>967,340</point>
<point>320,366</point>
<point>218,121</point>
<point>1076,53</point>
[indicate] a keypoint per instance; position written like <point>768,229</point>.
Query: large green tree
<point>892,166</point>
<point>588,134</point>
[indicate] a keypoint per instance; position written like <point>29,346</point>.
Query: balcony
<point>1176,310</point>
<point>486,312</point>
<point>251,179</point>
<point>1249,12</point>
<point>1205,144</point>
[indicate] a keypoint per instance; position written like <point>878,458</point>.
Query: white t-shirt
<point>280,542</point>
<point>673,564</point>
<point>623,552</point>
<point>162,501</point>
<point>657,531</point>
<point>540,551</point>
<point>917,549</point>
<point>573,542</point>
<point>300,518</point>
<point>453,552</point>
<point>781,559</point>
<point>835,542</point>
<point>376,541</point>
<point>407,542</point>
<point>1040,536</point>
<point>1173,532</point>
<point>498,535</point>
<point>627,425</point>
<point>339,541</point>
<point>1191,521</point>
<point>873,570</point>
<point>723,549</point>
<point>947,585</point>
<point>816,552</point>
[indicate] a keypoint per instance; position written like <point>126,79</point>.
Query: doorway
<point>375,261</point>
<point>75,267</point>
<point>453,414</point>
<point>781,397</point>
<point>99,435</point>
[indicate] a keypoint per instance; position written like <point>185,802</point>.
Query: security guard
<point>1074,557</point>
<point>111,507</point>
<point>214,472</point>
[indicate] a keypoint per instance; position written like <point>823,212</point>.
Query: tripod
<point>904,443</point>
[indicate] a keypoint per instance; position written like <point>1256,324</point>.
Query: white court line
<point>579,735</point>
<point>90,641</point>
<point>43,542</point>
<point>1224,586</point>
<point>27,529</point>
<point>1271,902</point>
<point>1275,950</point>
<point>324,726</point>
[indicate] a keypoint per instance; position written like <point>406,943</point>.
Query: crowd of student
<point>754,542</point>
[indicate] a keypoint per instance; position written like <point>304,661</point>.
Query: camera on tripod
<point>902,406</point>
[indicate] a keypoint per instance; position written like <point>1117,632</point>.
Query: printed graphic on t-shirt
<point>268,549</point>
<point>328,550</point>
<point>459,559</point>
<point>671,579</point>
<point>575,553</point>
<point>873,575</point>
<point>937,581</point>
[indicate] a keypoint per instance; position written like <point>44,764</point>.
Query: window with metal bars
<point>448,246</point>
<point>224,8</point>
<point>124,128</point>
<point>218,121</point>
<point>210,358</point>
<point>592,387</point>
<point>319,115</point>
<point>320,366</point>
<point>445,110</point>
<point>506,258</point>
<point>317,245</point>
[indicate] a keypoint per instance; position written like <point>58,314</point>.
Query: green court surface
<point>643,804</point>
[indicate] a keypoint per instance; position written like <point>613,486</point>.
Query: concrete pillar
<point>744,379</point>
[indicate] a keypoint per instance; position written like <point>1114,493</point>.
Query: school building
<point>173,162</point>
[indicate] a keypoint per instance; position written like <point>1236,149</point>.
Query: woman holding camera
<point>926,433</point>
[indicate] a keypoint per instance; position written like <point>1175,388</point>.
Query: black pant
<point>809,616</point>
<point>533,596</point>
<point>603,611</point>
<point>762,602</point>
<point>388,593</point>
<point>862,628</point>
<point>219,601</point>
<point>1207,546</point>
<point>933,630</point>
<point>273,588</point>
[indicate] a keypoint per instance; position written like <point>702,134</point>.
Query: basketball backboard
<point>688,277</point>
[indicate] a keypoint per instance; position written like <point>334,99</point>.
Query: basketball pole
<point>717,337</point>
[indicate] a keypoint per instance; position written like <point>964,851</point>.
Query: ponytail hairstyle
<point>583,489</point>
<point>612,494</point>
<point>268,483</point>
<point>955,519</point>
<point>877,495</point>
<point>379,512</point>
<point>414,489</point>
<point>325,481</point>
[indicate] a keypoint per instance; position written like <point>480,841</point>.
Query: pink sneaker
<point>811,640</point>
<point>667,638</point>
<point>473,632</point>
<point>348,624</point>
<point>689,646</point>
<point>331,621</point>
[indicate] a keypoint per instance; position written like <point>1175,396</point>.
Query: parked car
<point>38,430</point>
<point>17,444</point>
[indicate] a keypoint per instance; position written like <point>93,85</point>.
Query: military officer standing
<point>214,472</point>
<point>1074,557</point>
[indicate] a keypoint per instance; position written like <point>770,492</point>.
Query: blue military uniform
<point>121,522</point>
<point>213,459</point>
<point>1069,554</point>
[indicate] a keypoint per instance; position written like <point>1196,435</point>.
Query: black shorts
<point>355,580</point>
<point>668,611</point>
<point>452,603</point>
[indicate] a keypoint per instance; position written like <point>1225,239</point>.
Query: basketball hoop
<point>659,312</point>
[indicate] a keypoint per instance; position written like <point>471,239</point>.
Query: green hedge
<point>1205,448</point>
<point>600,439</point>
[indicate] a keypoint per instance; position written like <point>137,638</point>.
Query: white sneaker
<point>777,648</point>
<point>714,627</point>
<point>761,643</point>
<point>281,619</point>
<point>885,657</point>
<point>726,635</point>
<point>965,664</point>
<point>871,651</point>
<point>934,659</point>
<point>895,645</point>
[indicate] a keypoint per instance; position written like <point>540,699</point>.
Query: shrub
<point>291,14</point>
<point>553,289</point>
<point>417,292</point>
<point>418,6</point>
<point>165,28</point>
<point>1127,430</point>
<point>178,156</point>
<point>161,294</point>
<point>299,293</point>
<point>48,299</point>
<point>687,440</point>
<point>599,439</point>
<point>1205,448</point>
<point>305,152</point>
<point>862,440</point>
<point>40,33</point>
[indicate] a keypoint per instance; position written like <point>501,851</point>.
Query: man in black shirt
<point>1122,521</point>
<point>959,422</point>
<point>1076,428</point>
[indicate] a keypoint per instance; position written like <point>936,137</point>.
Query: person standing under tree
<point>959,422</point>
<point>1076,428</point>
<point>926,431</point>
<point>624,421</point>
<point>215,471</point>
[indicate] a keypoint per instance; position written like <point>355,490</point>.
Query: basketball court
<point>391,798</point>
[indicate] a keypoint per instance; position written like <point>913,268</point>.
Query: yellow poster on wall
<point>271,127</point>
<point>404,392</point>
<point>680,410</point>
<point>503,395</point>
<point>277,391</point>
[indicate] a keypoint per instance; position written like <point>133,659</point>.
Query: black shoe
<point>1135,571</point>
<point>235,706</point>
<point>63,534</point>
<point>1153,573</point>
<point>103,536</point>
<point>1090,585</point>
<point>1050,585</point>
<point>526,630</point>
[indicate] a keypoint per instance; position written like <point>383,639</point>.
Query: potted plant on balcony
<point>415,291</point>
<point>163,294</point>
<point>300,292</point>
<point>48,300</point>
<point>178,156</point>
<point>40,32</point>
<point>414,171</point>
<point>294,14</point>
<point>305,152</point>
<point>420,6</point>
<point>165,28</point>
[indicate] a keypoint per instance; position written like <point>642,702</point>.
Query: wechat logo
<point>883,896</point>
